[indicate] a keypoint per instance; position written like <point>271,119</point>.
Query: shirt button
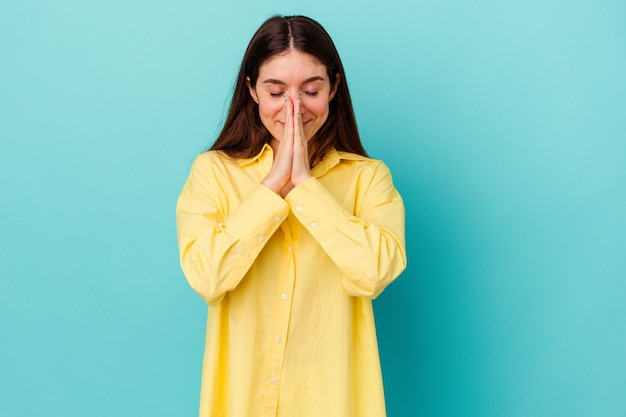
<point>298,208</point>
<point>276,219</point>
<point>314,225</point>
<point>283,296</point>
<point>289,249</point>
<point>260,238</point>
<point>277,339</point>
<point>273,380</point>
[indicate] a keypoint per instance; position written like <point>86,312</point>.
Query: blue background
<point>504,126</point>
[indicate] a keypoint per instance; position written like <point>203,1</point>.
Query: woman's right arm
<point>218,244</point>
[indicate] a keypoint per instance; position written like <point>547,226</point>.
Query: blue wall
<point>504,125</point>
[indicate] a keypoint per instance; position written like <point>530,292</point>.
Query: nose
<point>294,96</point>
<point>297,97</point>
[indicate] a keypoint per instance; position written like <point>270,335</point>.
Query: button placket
<point>280,325</point>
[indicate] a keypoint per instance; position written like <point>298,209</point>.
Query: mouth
<point>282,124</point>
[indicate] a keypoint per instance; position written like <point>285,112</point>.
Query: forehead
<point>292,67</point>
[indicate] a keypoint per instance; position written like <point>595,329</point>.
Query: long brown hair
<point>243,134</point>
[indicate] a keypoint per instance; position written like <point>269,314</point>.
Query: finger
<point>301,168</point>
<point>299,136</point>
<point>289,122</point>
<point>285,148</point>
<point>297,114</point>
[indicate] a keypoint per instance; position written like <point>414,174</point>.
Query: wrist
<point>300,179</point>
<point>276,188</point>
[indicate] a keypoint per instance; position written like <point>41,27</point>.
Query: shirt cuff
<point>258,216</point>
<point>316,208</point>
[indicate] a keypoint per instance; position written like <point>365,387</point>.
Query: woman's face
<point>289,74</point>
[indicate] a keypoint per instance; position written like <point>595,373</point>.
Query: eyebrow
<point>308,80</point>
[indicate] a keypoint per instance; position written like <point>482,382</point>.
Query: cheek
<point>270,108</point>
<point>317,106</point>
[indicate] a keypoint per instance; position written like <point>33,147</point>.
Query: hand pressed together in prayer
<point>291,158</point>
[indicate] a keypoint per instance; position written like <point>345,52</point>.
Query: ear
<point>334,90</point>
<point>252,91</point>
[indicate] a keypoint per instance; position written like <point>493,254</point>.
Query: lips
<point>282,124</point>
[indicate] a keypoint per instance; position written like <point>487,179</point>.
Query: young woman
<point>288,231</point>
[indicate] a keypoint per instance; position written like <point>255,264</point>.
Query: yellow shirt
<point>289,283</point>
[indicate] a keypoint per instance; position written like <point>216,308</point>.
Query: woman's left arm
<point>368,246</point>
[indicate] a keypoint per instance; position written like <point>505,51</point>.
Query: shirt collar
<point>332,158</point>
<point>266,153</point>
